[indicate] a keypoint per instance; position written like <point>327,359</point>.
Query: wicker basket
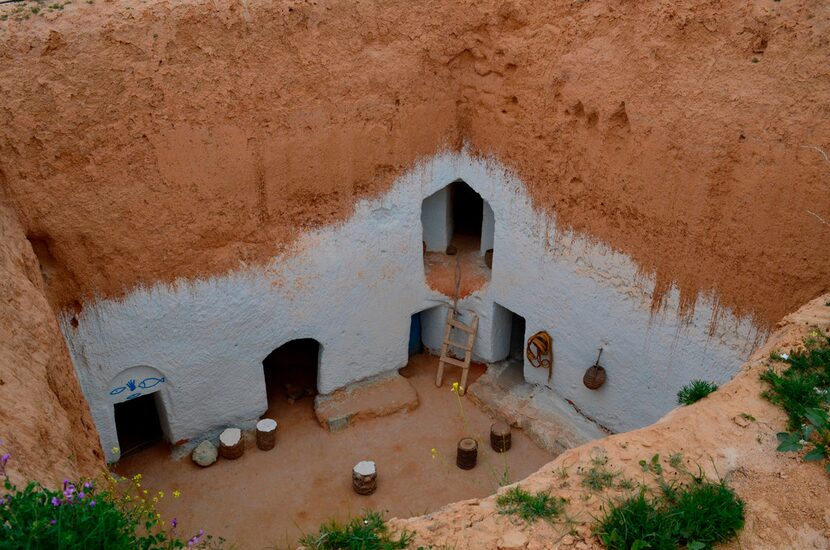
<point>594,377</point>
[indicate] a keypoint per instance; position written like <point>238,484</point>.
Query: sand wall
<point>44,421</point>
<point>178,139</point>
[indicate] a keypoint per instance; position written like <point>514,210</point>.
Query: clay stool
<point>500,436</point>
<point>365,477</point>
<point>266,434</point>
<point>467,454</point>
<point>231,444</point>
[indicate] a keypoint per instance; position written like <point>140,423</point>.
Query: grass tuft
<point>707,513</point>
<point>528,506</point>
<point>598,477</point>
<point>694,391</point>
<point>636,522</point>
<point>696,517</point>
<point>368,532</point>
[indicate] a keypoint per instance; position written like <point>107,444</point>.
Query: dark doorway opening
<point>291,372</point>
<point>416,344</point>
<point>517,337</point>
<point>137,423</point>
<point>467,211</point>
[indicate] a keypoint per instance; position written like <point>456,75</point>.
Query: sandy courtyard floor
<point>269,499</point>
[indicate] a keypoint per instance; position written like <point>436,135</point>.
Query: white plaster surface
<point>488,228</point>
<point>266,425</point>
<point>365,468</point>
<point>353,288</point>
<point>230,437</point>
<point>436,220</point>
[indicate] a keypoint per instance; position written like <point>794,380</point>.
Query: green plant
<point>696,516</point>
<point>802,390</point>
<point>676,461</point>
<point>636,523</point>
<point>694,391</point>
<point>368,532</point>
<point>530,507</point>
<point>706,513</point>
<point>106,514</point>
<point>626,484</point>
<point>598,478</point>
<point>653,465</point>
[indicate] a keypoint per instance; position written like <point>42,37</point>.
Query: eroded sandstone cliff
<point>44,420</point>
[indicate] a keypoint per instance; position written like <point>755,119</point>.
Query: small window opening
<point>138,423</point>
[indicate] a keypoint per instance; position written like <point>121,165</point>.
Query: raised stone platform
<point>550,421</point>
<point>371,398</point>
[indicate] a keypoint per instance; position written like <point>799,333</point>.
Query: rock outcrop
<point>45,423</point>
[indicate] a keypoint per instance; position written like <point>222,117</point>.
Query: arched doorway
<point>291,372</point>
<point>138,409</point>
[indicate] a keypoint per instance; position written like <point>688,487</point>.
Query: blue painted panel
<point>415,334</point>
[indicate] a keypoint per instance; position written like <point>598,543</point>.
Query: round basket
<point>594,377</point>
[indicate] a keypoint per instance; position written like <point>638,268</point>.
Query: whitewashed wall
<point>354,286</point>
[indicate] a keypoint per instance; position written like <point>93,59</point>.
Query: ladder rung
<point>465,347</point>
<point>456,362</point>
<point>461,326</point>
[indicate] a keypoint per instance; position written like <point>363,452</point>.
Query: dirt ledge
<point>788,501</point>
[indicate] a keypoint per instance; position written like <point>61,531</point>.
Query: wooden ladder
<point>446,358</point>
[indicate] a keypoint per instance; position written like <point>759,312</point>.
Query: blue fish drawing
<point>150,382</point>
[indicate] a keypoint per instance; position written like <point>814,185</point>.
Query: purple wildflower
<point>55,501</point>
<point>53,522</point>
<point>81,495</point>
<point>6,458</point>
<point>174,522</point>
<point>88,485</point>
<point>91,503</point>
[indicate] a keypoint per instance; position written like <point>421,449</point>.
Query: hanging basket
<point>594,377</point>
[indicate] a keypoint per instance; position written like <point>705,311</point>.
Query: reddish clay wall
<point>44,420</point>
<point>178,139</point>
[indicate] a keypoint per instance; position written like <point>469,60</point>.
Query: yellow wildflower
<point>115,450</point>
<point>176,494</point>
<point>434,452</point>
<point>161,494</point>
